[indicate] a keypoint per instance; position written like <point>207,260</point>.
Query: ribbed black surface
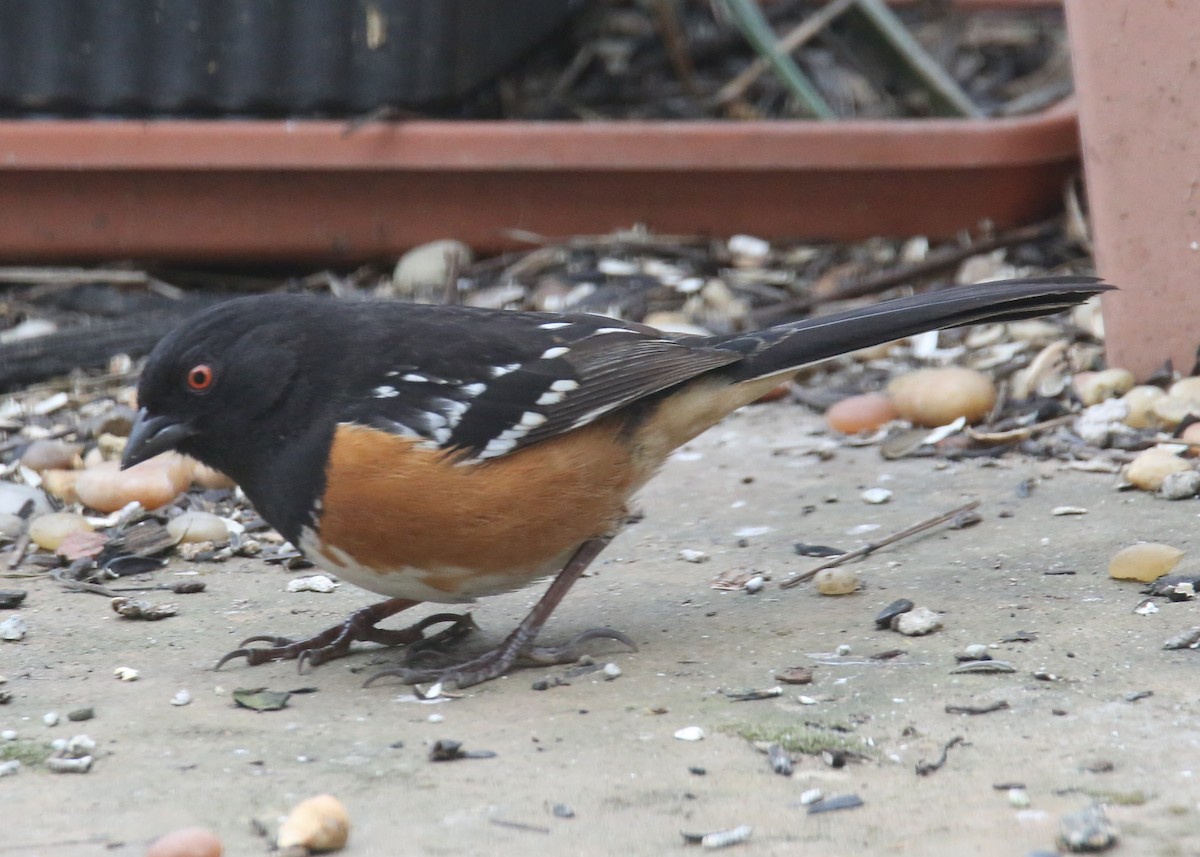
<point>256,57</point>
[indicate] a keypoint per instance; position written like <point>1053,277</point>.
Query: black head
<point>227,382</point>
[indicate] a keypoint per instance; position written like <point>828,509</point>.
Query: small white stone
<point>1060,511</point>
<point>843,650</point>
<point>811,796</point>
<point>9,768</point>
<point>691,555</point>
<point>181,697</point>
<point>1018,798</point>
<point>315,583</point>
<point>806,700</point>
<point>975,651</point>
<point>8,735</point>
<point>917,622</point>
<point>13,628</point>
<point>876,496</point>
<point>611,671</point>
<point>755,584</point>
<point>690,733</point>
<point>80,745</point>
<point>126,673</point>
<point>748,246</point>
<point>81,765</point>
<point>436,718</point>
<point>50,718</point>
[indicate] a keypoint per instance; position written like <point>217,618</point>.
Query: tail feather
<point>788,346</point>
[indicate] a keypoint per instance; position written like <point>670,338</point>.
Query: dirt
<point>605,749</point>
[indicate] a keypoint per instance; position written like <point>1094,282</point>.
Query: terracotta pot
<point>1139,91</point>
<point>312,191</point>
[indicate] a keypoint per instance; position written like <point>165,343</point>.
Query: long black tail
<point>787,346</point>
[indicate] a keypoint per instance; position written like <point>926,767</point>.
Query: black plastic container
<point>260,58</point>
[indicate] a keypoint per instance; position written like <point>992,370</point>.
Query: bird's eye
<point>200,378</point>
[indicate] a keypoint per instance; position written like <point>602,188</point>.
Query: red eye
<point>200,378</point>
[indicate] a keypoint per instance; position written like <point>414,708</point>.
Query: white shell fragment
<point>69,766</point>
<point>917,622</point>
<point>811,796</point>
<point>1063,511</point>
<point>126,673</point>
<point>13,628</point>
<point>318,824</point>
<point>181,697</point>
<point>876,496</point>
<point>690,733</point>
<point>691,555</point>
<point>315,583</point>
<point>754,584</point>
<point>725,838</point>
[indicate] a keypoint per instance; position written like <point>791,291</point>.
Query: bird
<point>445,453</point>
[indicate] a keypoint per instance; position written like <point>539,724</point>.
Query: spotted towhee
<point>443,453</point>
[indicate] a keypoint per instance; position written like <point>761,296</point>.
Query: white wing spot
<point>564,385</point>
<point>556,351</point>
<point>531,419</point>
<point>554,325</point>
<point>473,389</point>
<point>413,376</point>
<point>385,392</point>
<point>451,409</point>
<point>497,371</point>
<point>602,330</point>
<point>550,397</point>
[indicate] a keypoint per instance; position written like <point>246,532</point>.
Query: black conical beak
<point>152,435</point>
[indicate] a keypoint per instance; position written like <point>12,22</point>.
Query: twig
<point>804,32</point>
<point>924,769</point>
<point>675,43</point>
<point>919,527</point>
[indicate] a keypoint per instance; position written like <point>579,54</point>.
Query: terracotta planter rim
<point>539,146</point>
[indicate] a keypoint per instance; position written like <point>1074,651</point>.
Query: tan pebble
<point>1191,434</point>
<point>153,483</point>
<point>1151,466</point>
<point>1186,388</point>
<point>51,455</point>
<point>48,531</point>
<point>111,445</point>
<point>210,479</point>
<point>1172,410</point>
<point>865,412</point>
<point>836,581</point>
<point>1140,401</point>
<point>61,484</point>
<point>935,397</point>
<point>1145,562</point>
<point>186,842</point>
<point>1094,387</point>
<point>198,527</point>
<point>318,824</point>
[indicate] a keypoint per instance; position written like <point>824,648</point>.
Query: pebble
<point>192,527</point>
<point>1146,562</point>
<point>81,765</point>
<point>421,273</point>
<point>153,483</point>
<point>1172,410</point>
<point>1151,466</point>
<point>61,484</point>
<point>1018,798</point>
<point>690,733</point>
<point>876,496</point>
<point>795,675</point>
<point>690,555</point>
<point>50,718</point>
<point>49,531</point>
<point>1097,423</point>
<point>80,745</point>
<point>917,622</point>
<point>51,455</point>
<point>315,583</point>
<point>78,715</point>
<point>864,412</point>
<point>1187,389</point>
<point>754,584</point>
<point>181,697</point>
<point>1180,486</point>
<point>843,650</point>
<point>13,629</point>
<point>9,768</point>
<point>186,842</point>
<point>1094,387</point>
<point>976,651</point>
<point>836,581</point>
<point>8,735</point>
<point>13,498</point>
<point>725,838</point>
<point>611,671</point>
<point>1087,830</point>
<point>748,249</point>
<point>318,824</point>
<point>126,673</point>
<point>811,796</point>
<point>1140,402</point>
<point>935,397</point>
<point>11,526</point>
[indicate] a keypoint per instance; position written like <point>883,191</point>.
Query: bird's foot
<point>359,626</point>
<point>496,662</point>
